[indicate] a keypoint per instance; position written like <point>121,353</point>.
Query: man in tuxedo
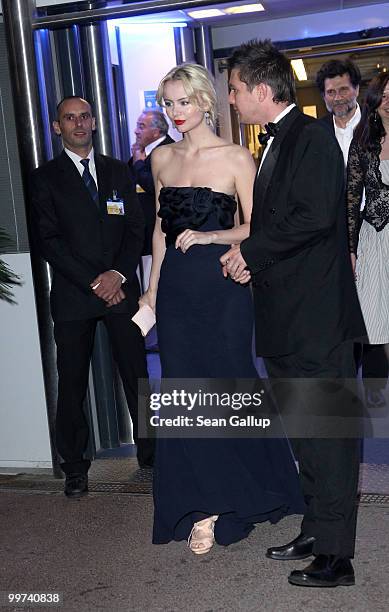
<point>89,227</point>
<point>151,132</point>
<point>338,82</point>
<point>306,308</point>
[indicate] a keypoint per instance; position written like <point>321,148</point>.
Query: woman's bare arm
<point>159,247</point>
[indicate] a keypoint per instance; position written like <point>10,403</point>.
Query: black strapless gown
<point>205,327</point>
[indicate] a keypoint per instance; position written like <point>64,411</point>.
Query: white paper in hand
<point>144,319</point>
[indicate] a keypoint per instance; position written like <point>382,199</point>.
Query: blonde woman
<point>206,489</point>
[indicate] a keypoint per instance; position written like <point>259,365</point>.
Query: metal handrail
<point>134,9</point>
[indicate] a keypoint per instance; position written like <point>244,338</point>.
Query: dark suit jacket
<point>304,290</point>
<point>328,122</point>
<point>141,174</point>
<point>80,239</point>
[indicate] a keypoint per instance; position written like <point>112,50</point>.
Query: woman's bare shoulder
<point>162,154</point>
<point>237,155</point>
<point>240,152</point>
<point>159,152</point>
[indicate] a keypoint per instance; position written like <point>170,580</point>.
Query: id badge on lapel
<point>115,206</point>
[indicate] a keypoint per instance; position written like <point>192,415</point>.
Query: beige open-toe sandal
<point>201,537</point>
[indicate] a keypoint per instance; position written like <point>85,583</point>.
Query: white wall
<point>24,433</point>
<point>304,26</point>
<point>148,53</point>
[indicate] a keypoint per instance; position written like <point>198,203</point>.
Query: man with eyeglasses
<point>338,83</point>
<point>90,228</point>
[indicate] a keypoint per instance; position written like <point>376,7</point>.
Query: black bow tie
<point>271,131</point>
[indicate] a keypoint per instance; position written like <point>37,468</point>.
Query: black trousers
<point>74,340</point>
<point>375,366</point>
<point>329,467</point>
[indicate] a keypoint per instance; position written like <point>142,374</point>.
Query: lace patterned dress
<point>205,327</point>
<point>369,238</point>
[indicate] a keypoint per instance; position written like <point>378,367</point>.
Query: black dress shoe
<point>374,398</point>
<point>76,485</point>
<point>146,465</point>
<point>299,548</point>
<point>325,571</point>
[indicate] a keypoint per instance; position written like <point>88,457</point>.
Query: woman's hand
<point>353,264</point>
<point>190,237</point>
<point>149,298</point>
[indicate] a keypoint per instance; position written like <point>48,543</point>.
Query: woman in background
<point>368,168</point>
<point>205,325</point>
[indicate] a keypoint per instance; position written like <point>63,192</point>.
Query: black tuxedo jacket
<point>304,290</point>
<point>328,122</point>
<point>80,239</point>
<point>141,175</point>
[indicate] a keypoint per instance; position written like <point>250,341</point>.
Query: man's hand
<point>117,298</point>
<point>137,153</point>
<point>244,278</point>
<point>235,266</point>
<point>106,285</point>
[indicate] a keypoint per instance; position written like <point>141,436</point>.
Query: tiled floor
<point>374,478</point>
<point>122,475</point>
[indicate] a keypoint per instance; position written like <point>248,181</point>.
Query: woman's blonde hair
<point>198,84</point>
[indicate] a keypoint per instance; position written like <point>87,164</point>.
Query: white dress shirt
<point>344,136</point>
<point>269,142</point>
<point>150,147</point>
<point>76,159</point>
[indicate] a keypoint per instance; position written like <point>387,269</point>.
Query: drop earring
<point>207,118</point>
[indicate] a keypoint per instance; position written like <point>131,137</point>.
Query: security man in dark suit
<point>89,228</point>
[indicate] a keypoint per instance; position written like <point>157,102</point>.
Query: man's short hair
<point>66,98</point>
<point>158,120</point>
<point>259,61</point>
<point>335,68</point>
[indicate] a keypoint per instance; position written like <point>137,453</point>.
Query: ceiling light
<point>299,68</point>
<point>244,8</point>
<point>205,13</point>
